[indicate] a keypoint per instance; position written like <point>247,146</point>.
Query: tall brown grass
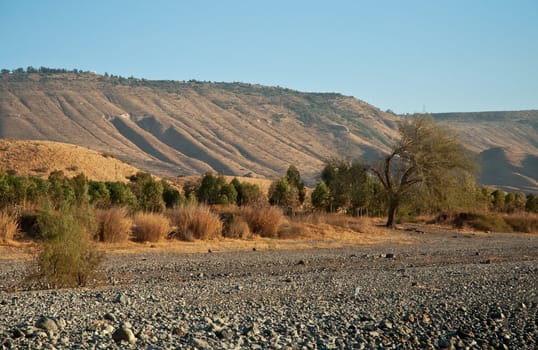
<point>9,226</point>
<point>114,225</point>
<point>150,227</point>
<point>333,219</point>
<point>195,222</point>
<point>523,222</point>
<point>263,221</point>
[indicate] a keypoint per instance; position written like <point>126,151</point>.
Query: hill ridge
<point>175,128</point>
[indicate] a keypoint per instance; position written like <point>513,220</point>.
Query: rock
<point>181,330</point>
<point>17,333</point>
<point>389,255</point>
<point>301,262</point>
<point>110,317</point>
<point>465,333</point>
<point>47,324</point>
<point>122,299</point>
<point>385,324</point>
<point>125,334</point>
<point>199,343</point>
<point>443,343</point>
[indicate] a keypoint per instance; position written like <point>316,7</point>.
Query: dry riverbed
<point>403,289</point>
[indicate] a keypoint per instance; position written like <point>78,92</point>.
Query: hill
<point>40,158</point>
<point>507,144</point>
<point>186,128</point>
<point>177,128</point>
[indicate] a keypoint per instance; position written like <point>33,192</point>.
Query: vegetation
<point>263,221</point>
<point>67,257</point>
<point>427,161</point>
<point>150,227</point>
<point>114,225</point>
<point>195,222</point>
<point>9,226</point>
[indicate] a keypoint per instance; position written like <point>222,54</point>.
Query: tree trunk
<point>393,205</point>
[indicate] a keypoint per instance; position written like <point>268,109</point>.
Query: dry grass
<point>523,222</point>
<point>236,227</point>
<point>39,158</point>
<point>263,221</point>
<point>114,225</point>
<point>338,220</point>
<point>150,227</point>
<point>294,230</point>
<point>195,222</point>
<point>9,226</point>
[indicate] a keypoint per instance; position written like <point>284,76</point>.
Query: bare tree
<point>428,159</point>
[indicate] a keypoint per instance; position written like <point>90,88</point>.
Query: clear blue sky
<point>409,56</point>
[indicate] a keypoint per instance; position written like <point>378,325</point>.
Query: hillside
<point>187,128</point>
<point>40,158</point>
<point>507,144</point>
<point>175,128</point>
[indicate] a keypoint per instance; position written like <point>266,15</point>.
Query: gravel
<point>447,291</point>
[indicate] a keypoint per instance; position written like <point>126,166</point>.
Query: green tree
<point>215,190</point>
<point>171,196</point>
<point>99,194</point>
<point>531,204</point>
<point>498,200</point>
<point>349,184</point>
<point>247,193</point>
<point>321,197</point>
<point>121,195</point>
<point>294,180</point>
<point>148,191</point>
<point>427,159</point>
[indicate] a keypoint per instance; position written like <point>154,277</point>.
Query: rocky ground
<point>448,291</point>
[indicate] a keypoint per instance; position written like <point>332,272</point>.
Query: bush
<point>293,230</point>
<point>235,226</point>
<point>195,222</point>
<point>263,221</point>
<point>150,227</point>
<point>114,225</point>
<point>523,222</point>
<point>67,258</point>
<point>9,226</point>
<point>482,222</point>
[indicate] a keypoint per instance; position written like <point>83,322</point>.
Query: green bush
<point>67,257</point>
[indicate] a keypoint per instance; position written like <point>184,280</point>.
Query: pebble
<point>264,300</point>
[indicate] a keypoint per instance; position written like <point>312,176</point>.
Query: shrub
<point>235,226</point>
<point>67,258</point>
<point>293,230</point>
<point>150,227</point>
<point>482,222</point>
<point>9,226</point>
<point>263,221</point>
<point>114,225</point>
<point>195,222</point>
<point>523,222</point>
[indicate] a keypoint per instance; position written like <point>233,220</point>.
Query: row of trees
<point>426,171</point>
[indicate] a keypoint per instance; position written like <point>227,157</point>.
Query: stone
<point>199,343</point>
<point>110,317</point>
<point>389,255</point>
<point>181,330</point>
<point>121,299</point>
<point>124,334</point>
<point>47,324</point>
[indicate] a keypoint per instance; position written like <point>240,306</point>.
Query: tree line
<point>426,171</point>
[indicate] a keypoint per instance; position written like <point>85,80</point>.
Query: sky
<point>408,56</point>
